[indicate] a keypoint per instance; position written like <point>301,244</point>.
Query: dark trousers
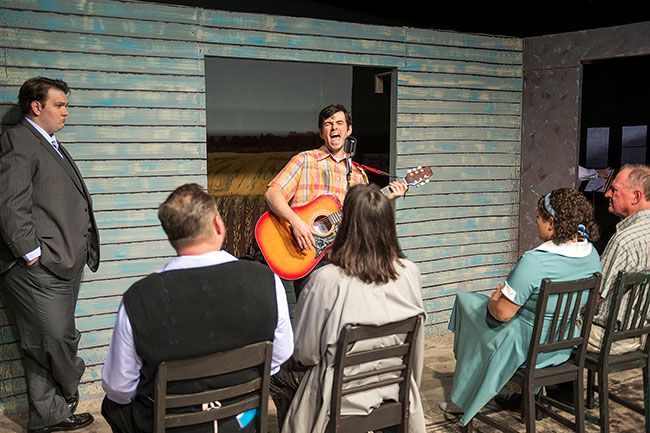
<point>43,305</point>
<point>284,385</point>
<point>119,417</point>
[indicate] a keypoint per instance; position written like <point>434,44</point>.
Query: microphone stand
<point>350,147</point>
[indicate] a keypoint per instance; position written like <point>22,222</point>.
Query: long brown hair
<point>366,244</point>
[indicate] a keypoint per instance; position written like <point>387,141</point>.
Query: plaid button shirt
<point>627,250</point>
<point>313,173</point>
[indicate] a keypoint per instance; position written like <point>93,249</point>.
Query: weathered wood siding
<point>458,110</point>
<point>137,130</point>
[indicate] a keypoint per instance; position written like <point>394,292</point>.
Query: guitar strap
<point>372,169</point>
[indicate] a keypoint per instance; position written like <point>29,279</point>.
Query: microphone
<point>350,146</point>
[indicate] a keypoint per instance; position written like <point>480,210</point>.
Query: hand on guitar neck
<point>397,189</point>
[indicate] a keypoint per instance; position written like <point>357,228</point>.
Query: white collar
<point>198,261</point>
<point>48,137</point>
<point>567,249</point>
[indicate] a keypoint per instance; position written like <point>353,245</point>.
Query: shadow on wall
<point>11,117</point>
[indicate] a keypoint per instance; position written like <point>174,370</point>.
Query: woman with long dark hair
<point>368,282</point>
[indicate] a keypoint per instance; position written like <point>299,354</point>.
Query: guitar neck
<point>387,189</point>
<point>335,217</point>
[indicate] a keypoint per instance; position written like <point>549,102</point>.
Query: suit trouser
<point>43,306</point>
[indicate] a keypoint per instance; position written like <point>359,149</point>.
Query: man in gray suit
<point>47,234</point>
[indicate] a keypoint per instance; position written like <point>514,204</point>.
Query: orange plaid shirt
<point>313,173</point>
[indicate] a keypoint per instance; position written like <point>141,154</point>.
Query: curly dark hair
<point>571,208</point>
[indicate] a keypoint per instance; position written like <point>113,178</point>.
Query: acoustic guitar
<point>323,214</point>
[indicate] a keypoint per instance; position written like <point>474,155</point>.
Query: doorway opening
<point>259,113</point>
<point>615,115</point>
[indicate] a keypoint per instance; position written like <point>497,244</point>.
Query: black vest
<point>193,312</point>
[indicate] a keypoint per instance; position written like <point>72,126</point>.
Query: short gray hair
<point>639,177</point>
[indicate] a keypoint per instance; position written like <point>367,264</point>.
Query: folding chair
<point>232,400</point>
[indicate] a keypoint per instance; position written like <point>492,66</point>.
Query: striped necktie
<point>55,145</point>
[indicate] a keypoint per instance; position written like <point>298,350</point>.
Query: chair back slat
<point>185,419</point>
<point>233,399</point>
<point>392,375</point>
<point>376,354</point>
<point>568,296</point>
<point>556,314</point>
<point>182,400</point>
<point>565,327</point>
<point>628,311</point>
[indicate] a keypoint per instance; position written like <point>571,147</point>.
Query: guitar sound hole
<point>322,225</point>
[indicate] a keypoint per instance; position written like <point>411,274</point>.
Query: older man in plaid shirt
<point>313,173</point>
<point>628,249</point>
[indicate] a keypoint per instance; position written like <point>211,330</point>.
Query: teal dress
<point>488,352</point>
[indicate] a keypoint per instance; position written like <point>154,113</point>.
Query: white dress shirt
<point>121,372</point>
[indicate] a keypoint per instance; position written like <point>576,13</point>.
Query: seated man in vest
<point>203,301</point>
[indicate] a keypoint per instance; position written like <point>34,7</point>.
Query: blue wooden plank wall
<point>137,130</point>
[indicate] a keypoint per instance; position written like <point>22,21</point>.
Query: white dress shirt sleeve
<point>32,254</point>
<point>283,336</point>
<point>121,372</point>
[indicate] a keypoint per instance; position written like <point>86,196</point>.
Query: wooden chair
<point>233,399</point>
<point>390,413</point>
<point>633,287</point>
<point>568,296</point>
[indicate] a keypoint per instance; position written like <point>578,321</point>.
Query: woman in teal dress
<point>493,334</point>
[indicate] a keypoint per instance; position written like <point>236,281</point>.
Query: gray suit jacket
<point>44,202</point>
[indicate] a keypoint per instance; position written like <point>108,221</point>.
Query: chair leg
<point>590,389</point>
<point>469,427</point>
<point>603,400</point>
<point>646,398</point>
<point>578,404</point>
<point>528,410</point>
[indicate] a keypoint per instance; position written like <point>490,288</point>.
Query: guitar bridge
<point>322,242</point>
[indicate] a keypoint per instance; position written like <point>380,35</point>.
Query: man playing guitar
<point>313,173</point>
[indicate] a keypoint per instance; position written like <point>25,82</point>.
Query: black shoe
<point>561,393</point>
<point>72,422</point>
<point>511,402</point>
<point>73,402</point>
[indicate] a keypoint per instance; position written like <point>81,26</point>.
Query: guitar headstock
<point>418,176</point>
